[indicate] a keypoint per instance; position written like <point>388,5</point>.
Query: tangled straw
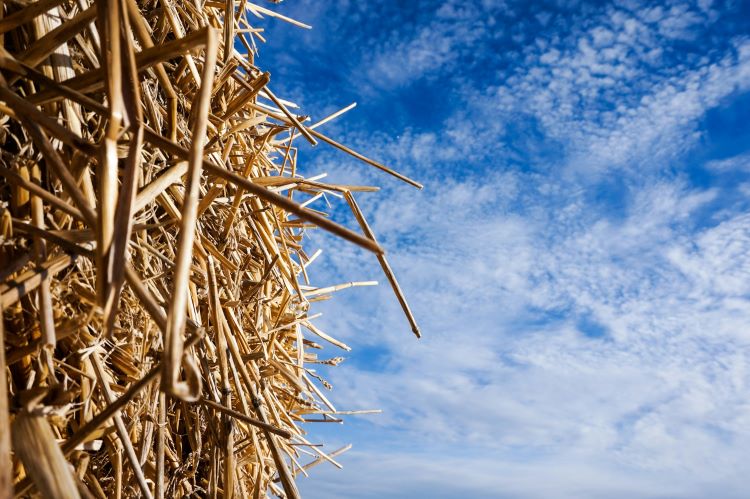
<point>151,230</point>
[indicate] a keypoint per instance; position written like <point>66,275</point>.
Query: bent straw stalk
<point>157,333</point>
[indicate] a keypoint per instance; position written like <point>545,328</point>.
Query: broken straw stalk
<point>151,255</point>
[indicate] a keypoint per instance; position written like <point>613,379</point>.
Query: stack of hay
<point>156,327</point>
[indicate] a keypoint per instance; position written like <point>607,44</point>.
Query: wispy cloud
<point>740,162</point>
<point>617,88</point>
<point>583,292</point>
<point>436,48</point>
<point>662,390</point>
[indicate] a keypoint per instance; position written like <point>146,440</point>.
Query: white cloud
<point>449,37</point>
<point>598,92</point>
<point>569,350</point>
<point>738,163</point>
<point>416,474</point>
<point>663,392</point>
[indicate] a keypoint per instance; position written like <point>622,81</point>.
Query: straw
<point>157,315</point>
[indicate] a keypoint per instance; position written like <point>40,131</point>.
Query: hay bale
<point>156,327</point>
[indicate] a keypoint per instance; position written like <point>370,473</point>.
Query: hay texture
<point>157,332</point>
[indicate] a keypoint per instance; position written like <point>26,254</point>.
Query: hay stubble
<point>156,326</point>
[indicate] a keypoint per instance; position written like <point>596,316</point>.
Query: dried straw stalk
<point>154,293</point>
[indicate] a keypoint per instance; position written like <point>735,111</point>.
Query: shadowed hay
<point>156,333</point>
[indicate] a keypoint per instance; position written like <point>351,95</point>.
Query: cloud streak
<point>583,291</point>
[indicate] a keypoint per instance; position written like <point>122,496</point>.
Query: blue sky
<point>578,260</point>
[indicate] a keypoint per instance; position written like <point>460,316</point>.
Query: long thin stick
<point>226,389</point>
<point>246,419</point>
<point>384,264</point>
<point>173,342</point>
<point>6,477</point>
<point>122,431</point>
<point>269,196</point>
